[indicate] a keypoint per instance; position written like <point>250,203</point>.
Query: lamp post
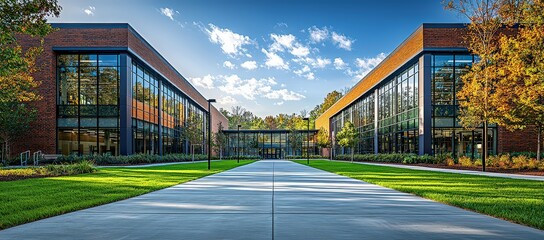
<point>238,144</point>
<point>210,101</point>
<point>307,140</point>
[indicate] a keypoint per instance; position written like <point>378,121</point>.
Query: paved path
<point>273,200</point>
<point>479,173</point>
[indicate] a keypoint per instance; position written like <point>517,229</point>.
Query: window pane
<point>87,60</point>
<point>108,92</point>
<point>67,60</point>
<point>107,60</point>
<point>443,60</point>
<point>68,86</point>
<point>88,86</point>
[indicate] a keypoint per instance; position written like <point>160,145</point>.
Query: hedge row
<point>407,158</point>
<point>107,159</point>
<point>242,157</point>
<point>304,157</point>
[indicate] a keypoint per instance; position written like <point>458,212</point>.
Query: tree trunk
<point>484,150</point>
<point>352,152</point>
<point>538,142</point>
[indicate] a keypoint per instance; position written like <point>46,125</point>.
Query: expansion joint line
<point>273,181</point>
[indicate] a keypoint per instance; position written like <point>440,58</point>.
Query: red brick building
<point>105,89</point>
<point>408,104</point>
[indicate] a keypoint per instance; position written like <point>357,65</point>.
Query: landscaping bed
<point>518,163</point>
<point>534,172</point>
<point>12,174</point>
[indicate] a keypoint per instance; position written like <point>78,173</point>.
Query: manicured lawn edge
<point>515,200</point>
<point>29,200</point>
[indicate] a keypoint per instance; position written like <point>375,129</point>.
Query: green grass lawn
<point>28,200</point>
<point>520,201</point>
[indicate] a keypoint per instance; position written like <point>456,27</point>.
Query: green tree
<point>323,139</point>
<point>479,84</point>
<point>192,132</point>
<point>520,99</point>
<point>219,140</point>
<point>348,137</point>
<point>328,101</point>
<point>20,18</point>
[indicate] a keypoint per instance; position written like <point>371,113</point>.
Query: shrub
<point>450,162</point>
<point>504,162</point>
<point>477,162</point>
<point>520,162</point>
<point>71,169</point>
<point>465,161</point>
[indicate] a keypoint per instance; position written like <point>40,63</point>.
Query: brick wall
<point>42,135</point>
<point>517,141</point>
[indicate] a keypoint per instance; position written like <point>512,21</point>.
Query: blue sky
<point>268,56</point>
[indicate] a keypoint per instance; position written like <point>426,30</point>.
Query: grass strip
<point>515,200</point>
<point>29,200</point>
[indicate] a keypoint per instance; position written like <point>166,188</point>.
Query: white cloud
<point>341,41</point>
<point>339,64</point>
<point>284,94</point>
<point>300,51</point>
<point>249,65</point>
<point>273,60</point>
<point>310,76</point>
<point>321,63</point>
<point>305,72</point>
<point>228,100</point>
<point>231,43</point>
<point>366,65</point>
<point>278,103</point>
<point>249,88</point>
<point>168,12</point>
<point>314,62</point>
<point>89,11</point>
<point>205,82</point>
<point>282,42</point>
<point>318,34</point>
<point>229,65</point>
<point>289,43</point>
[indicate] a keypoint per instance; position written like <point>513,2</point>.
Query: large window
<point>88,103</point>
<point>397,113</point>
<point>159,109</point>
<point>448,134</point>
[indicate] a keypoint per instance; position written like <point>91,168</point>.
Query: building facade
<point>408,103</point>
<point>270,144</point>
<point>106,90</point>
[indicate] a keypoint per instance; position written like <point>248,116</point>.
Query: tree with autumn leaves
<point>519,99</point>
<point>18,88</point>
<point>506,85</point>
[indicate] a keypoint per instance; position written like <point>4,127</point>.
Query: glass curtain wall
<point>145,110</point>
<point>397,116</point>
<point>88,104</point>
<point>274,144</point>
<point>448,134</point>
<point>154,100</point>
<point>398,113</point>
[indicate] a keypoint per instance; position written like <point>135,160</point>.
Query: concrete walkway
<point>273,200</point>
<point>479,173</point>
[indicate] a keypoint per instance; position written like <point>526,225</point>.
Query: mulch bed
<point>19,177</point>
